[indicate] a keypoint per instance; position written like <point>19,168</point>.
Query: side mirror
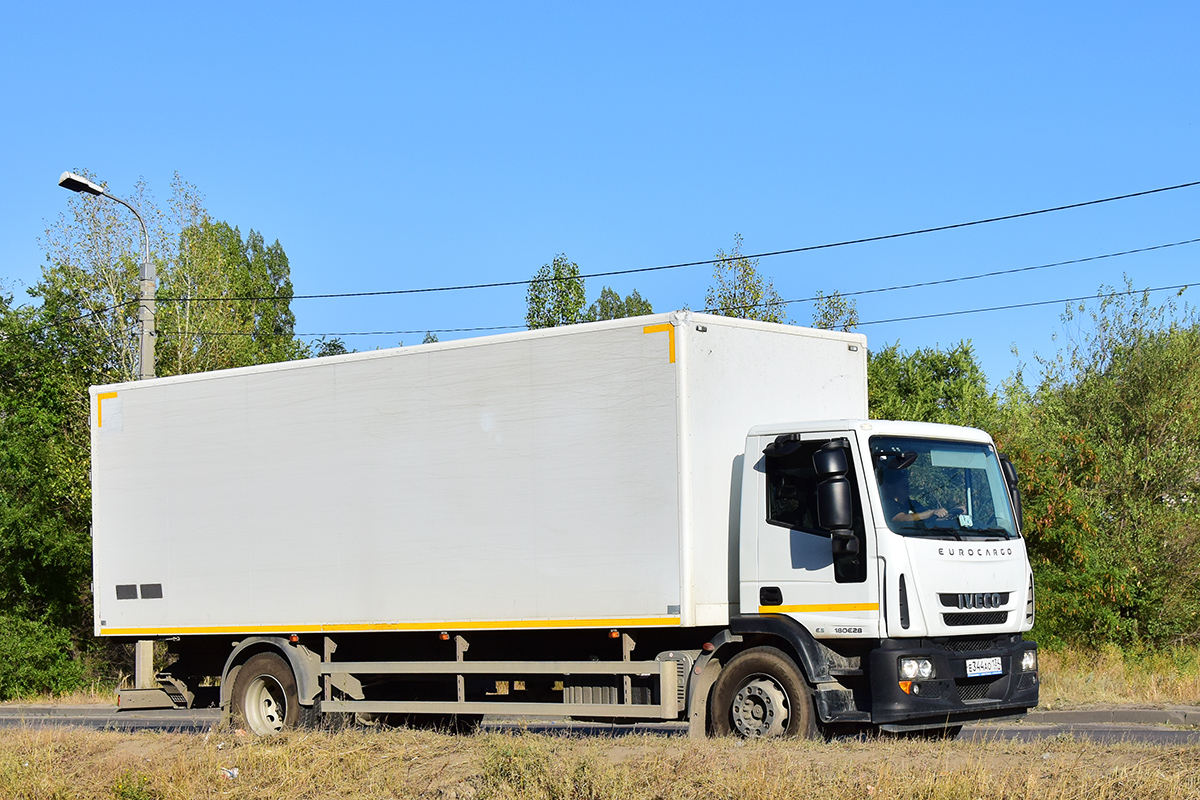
<point>783,446</point>
<point>835,504</point>
<point>830,460</point>
<point>835,501</point>
<point>843,542</point>
<point>1012,479</point>
<point>1010,471</point>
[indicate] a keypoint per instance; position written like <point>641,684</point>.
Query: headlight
<point>913,668</point>
<point>1029,661</point>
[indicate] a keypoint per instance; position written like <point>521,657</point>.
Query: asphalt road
<point>1151,725</point>
<point>1105,732</point>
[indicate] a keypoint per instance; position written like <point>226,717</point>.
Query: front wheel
<point>761,694</point>
<point>264,695</point>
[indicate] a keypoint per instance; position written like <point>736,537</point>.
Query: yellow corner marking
<point>100,398</point>
<point>670,329</point>
<point>634,622</point>
<point>817,608</point>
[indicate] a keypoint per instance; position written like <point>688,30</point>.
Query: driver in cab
<point>899,504</point>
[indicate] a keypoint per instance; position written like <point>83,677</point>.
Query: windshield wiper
<point>1001,532</point>
<point>932,533</point>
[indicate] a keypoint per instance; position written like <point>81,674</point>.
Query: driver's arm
<point>916,516</point>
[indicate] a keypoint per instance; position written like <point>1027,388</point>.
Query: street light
<point>143,650</point>
<point>146,277</point>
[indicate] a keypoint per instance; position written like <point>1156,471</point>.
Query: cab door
<point>806,568</point>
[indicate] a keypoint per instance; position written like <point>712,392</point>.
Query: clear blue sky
<point>395,145</point>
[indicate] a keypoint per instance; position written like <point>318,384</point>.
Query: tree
<point>1112,435</point>
<point>610,305</point>
<point>46,365</point>
<point>203,266</point>
<point>430,338</point>
<point>930,385</point>
<point>228,302</point>
<point>92,256</point>
<point>739,290</point>
<point>329,347</point>
<point>557,296</point>
<point>833,312</point>
<point>1081,582</point>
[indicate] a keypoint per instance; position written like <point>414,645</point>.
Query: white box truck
<point>671,517</point>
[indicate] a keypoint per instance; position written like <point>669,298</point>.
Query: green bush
<point>36,658</point>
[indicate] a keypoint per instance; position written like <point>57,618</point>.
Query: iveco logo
<point>974,600</point>
<point>980,600</point>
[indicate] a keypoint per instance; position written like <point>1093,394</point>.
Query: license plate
<point>984,666</point>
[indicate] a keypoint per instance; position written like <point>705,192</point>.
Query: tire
<point>761,694</point>
<point>265,699</point>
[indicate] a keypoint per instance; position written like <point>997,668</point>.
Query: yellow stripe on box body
<point>366,627</point>
<point>818,608</point>
<point>670,329</point>
<point>100,398</point>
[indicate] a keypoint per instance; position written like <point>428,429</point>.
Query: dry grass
<point>71,763</point>
<point>1075,679</point>
<point>89,695</point>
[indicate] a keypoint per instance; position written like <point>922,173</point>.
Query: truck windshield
<point>942,489</point>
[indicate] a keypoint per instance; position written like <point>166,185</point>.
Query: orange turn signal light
<point>614,634</point>
<point>906,687</point>
<point>445,637</point>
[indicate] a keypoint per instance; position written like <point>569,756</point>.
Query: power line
<point>922,284</point>
<point>1100,296</point>
<point>92,313</point>
<point>808,248</point>
<point>961,278</point>
<point>360,333</point>
<point>1025,305</point>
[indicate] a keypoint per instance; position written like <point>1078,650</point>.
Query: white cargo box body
<point>569,477</point>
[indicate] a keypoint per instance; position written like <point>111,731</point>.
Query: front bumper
<point>950,696</point>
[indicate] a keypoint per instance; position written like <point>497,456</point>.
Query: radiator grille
<point>969,645</point>
<point>986,618</point>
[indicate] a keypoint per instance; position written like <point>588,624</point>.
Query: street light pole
<point>146,276</point>
<point>143,649</point>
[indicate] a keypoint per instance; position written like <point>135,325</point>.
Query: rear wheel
<point>761,694</point>
<point>264,695</point>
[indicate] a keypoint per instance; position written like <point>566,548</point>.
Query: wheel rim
<point>266,706</point>
<point>760,708</point>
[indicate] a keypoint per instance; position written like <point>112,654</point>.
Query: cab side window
<point>792,482</point>
<point>792,489</point>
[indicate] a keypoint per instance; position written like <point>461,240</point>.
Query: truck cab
<point>897,547</point>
